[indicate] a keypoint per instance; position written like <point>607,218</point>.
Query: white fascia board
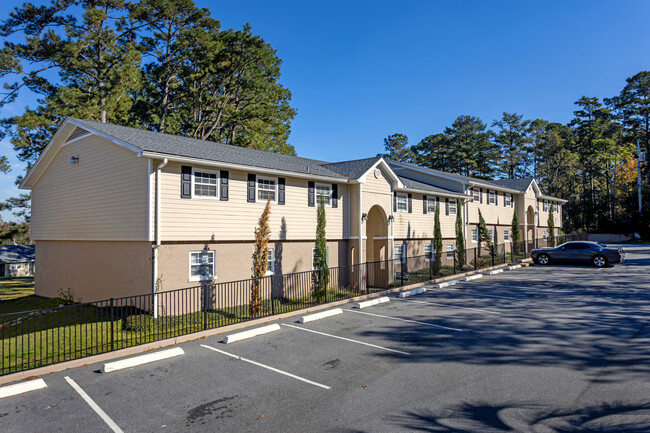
<point>396,182</point>
<point>429,173</point>
<point>110,138</point>
<point>25,183</point>
<point>496,188</point>
<point>250,168</point>
<point>548,197</point>
<point>434,193</point>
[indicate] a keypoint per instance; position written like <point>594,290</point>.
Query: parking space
<point>541,348</point>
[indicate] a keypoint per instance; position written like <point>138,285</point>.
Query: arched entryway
<point>377,248</point>
<point>530,227</point>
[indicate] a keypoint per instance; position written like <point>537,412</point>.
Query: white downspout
<point>157,238</point>
<point>360,242</point>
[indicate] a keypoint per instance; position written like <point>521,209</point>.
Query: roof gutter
<point>242,167</point>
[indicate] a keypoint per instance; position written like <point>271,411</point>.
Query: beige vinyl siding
<point>377,192</point>
<point>418,225</point>
<point>198,219</point>
<point>103,197</point>
<point>493,214</point>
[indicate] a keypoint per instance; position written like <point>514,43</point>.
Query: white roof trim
<point>119,142</point>
<point>47,150</point>
<point>427,172</point>
<point>396,182</point>
<point>249,168</point>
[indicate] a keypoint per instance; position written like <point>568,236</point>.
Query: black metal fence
<point>41,337</point>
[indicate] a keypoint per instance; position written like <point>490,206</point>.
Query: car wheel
<point>599,261</point>
<point>543,259</point>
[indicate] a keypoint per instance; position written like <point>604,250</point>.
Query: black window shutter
<point>251,188</point>
<point>394,201</point>
<point>496,198</point>
<point>224,185</point>
<point>410,205</point>
<point>311,193</point>
<point>512,200</point>
<point>438,203</point>
<point>504,198</point>
<point>335,195</point>
<point>281,183</point>
<point>480,195</point>
<point>424,204</point>
<point>186,181</point>
<point>447,206</point>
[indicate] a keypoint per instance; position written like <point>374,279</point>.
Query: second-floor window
<point>476,195</point>
<point>324,192</point>
<point>266,188</point>
<point>555,207</point>
<point>507,199</point>
<point>402,202</point>
<point>452,207</point>
<point>545,207</point>
<point>491,197</point>
<point>205,184</point>
<point>431,205</point>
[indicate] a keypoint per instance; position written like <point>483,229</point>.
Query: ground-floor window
<point>428,252</point>
<point>270,262</point>
<point>450,251</point>
<point>202,265</point>
<point>544,234</point>
<point>474,235</point>
<point>398,253</point>
<point>506,235</point>
<point>313,258</point>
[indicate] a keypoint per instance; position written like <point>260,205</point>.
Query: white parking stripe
<point>453,306</point>
<point>346,339</point>
<point>405,320</point>
<point>267,367</point>
<point>94,406</point>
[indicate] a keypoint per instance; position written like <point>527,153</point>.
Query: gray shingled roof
<point>415,184</point>
<point>17,253</point>
<point>518,184</point>
<point>176,145</point>
<point>352,169</point>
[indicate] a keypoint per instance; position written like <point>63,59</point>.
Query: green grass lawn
<point>17,294</point>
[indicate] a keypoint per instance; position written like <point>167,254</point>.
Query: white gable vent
<point>78,132</point>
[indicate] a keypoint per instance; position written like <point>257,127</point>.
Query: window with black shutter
<point>251,188</point>
<point>281,190</point>
<point>186,181</point>
<point>311,193</point>
<point>335,195</point>
<point>224,185</point>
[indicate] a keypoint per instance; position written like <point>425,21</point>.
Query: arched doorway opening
<point>377,252</point>
<point>530,227</point>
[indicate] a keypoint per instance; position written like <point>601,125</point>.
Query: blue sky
<point>360,71</point>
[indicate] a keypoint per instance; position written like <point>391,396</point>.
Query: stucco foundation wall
<point>233,261</point>
<point>92,270</point>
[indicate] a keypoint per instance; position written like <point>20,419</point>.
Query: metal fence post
<point>112,328</point>
<point>454,262</point>
<point>204,297</point>
<point>475,264</point>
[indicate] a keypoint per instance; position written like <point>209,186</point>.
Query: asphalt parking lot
<point>539,349</point>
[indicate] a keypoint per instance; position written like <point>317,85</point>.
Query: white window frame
<point>555,207</point>
<point>398,253</point>
<point>15,266</point>
<point>328,202</point>
<point>452,207</point>
<point>428,254</point>
<point>474,235</point>
<point>507,199</point>
<point>270,262</point>
<point>313,256</point>
<point>257,188</point>
<point>450,251</point>
<point>545,206</point>
<point>405,197</point>
<point>213,276</point>
<point>430,200</point>
<point>492,197</point>
<point>207,197</point>
<point>544,234</point>
<point>506,235</point>
<point>476,195</point>
<point>491,232</point>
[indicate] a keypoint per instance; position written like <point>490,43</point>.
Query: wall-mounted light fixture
<point>391,218</point>
<point>74,160</point>
<point>364,216</point>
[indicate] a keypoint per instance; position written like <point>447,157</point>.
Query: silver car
<point>595,253</point>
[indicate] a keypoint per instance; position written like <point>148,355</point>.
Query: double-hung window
<point>267,188</point>
<point>313,258</point>
<point>398,253</point>
<point>452,207</point>
<point>270,264</point>
<point>492,197</point>
<point>431,205</point>
<point>450,251</point>
<point>476,195</point>
<point>491,233</point>
<point>544,235</point>
<point>15,266</point>
<point>506,235</point>
<point>428,252</point>
<point>507,199</point>
<point>474,235</point>
<point>545,208</point>
<point>555,207</point>
<point>205,184</point>
<point>324,192</point>
<point>402,202</point>
<point>202,265</point>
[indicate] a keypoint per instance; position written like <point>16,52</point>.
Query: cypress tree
<point>484,234</point>
<point>320,276</point>
<point>460,237</point>
<point>260,259</point>
<point>437,242</point>
<point>516,235</point>
<point>551,227</point>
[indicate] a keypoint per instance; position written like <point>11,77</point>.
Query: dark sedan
<point>597,254</point>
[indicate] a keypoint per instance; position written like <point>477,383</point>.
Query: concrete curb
<point>412,292</point>
<point>142,359</point>
<point>473,277</point>
<point>318,316</point>
<point>155,345</point>
<point>250,333</point>
<point>22,387</point>
<point>372,302</point>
